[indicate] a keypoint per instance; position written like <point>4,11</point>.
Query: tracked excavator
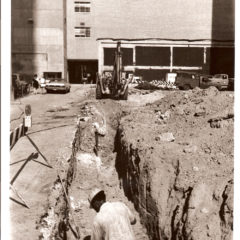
<point>113,85</point>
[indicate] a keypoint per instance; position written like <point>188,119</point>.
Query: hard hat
<point>93,194</point>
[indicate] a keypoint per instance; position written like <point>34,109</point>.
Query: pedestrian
<point>35,84</point>
<point>42,84</point>
<point>113,220</point>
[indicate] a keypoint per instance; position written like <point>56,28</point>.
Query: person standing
<point>35,84</point>
<point>42,84</point>
<point>113,220</point>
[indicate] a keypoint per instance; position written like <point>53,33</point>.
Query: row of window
<point>82,6</point>
<point>82,32</point>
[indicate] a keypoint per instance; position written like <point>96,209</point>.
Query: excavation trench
<point>175,191</point>
<point>85,172</point>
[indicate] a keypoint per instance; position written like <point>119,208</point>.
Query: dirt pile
<point>175,162</point>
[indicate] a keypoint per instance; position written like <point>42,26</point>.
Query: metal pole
<point>35,146</point>
<point>15,191</point>
<point>21,168</point>
<point>69,205</point>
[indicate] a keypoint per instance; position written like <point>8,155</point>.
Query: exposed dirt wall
<point>54,224</point>
<point>177,166</point>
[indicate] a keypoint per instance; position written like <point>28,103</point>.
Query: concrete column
<point>100,58</point>
<point>171,58</point>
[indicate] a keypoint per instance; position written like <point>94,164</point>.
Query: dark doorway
<point>82,71</point>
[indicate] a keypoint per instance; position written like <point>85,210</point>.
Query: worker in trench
<point>113,220</point>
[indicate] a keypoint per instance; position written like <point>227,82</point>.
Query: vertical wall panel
<point>220,60</point>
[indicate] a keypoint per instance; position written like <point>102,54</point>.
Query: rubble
<point>177,174</point>
<point>166,137</point>
<point>172,185</point>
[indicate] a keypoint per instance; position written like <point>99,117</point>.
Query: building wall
<point>141,19</point>
<point>38,36</point>
<point>152,59</point>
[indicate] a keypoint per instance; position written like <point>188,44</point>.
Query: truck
<point>190,80</point>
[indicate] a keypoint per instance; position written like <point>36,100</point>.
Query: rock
<point>84,119</point>
<point>211,91</point>
<point>180,110</point>
<point>165,116</point>
<point>207,150</point>
<point>204,210</point>
<point>197,100</point>
<point>200,111</point>
<point>190,149</point>
<point>167,137</point>
<point>195,169</point>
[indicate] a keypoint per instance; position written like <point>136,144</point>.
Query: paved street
<point>54,119</point>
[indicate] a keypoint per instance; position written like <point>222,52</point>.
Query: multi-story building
<point>38,37</point>
<point>74,38</point>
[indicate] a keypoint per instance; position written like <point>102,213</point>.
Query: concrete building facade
<point>38,37</point>
<point>157,36</point>
<point>71,38</point>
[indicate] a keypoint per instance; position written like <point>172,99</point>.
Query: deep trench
<point>61,206</point>
<point>131,180</point>
<point>135,183</point>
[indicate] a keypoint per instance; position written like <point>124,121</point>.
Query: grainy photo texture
<point>122,119</point>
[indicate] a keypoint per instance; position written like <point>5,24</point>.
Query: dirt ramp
<point>176,168</point>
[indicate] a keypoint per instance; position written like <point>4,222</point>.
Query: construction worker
<point>113,220</point>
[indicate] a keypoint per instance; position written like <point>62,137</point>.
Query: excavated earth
<point>168,155</point>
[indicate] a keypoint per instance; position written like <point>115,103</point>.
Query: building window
<point>51,75</point>
<point>82,32</point>
<point>82,6</point>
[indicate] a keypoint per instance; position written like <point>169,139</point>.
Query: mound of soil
<point>175,162</point>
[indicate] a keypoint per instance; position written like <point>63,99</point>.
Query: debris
<point>200,111</point>
<point>180,110</point>
<point>197,100</point>
<point>89,160</point>
<point>84,119</point>
<point>167,137</point>
<point>146,86</point>
<point>195,169</point>
<point>204,210</point>
<point>221,121</point>
<point>207,150</point>
<point>190,149</point>
<point>100,130</point>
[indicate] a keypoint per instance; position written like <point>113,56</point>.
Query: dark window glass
<point>188,56</point>
<point>127,56</point>
<point>153,56</point>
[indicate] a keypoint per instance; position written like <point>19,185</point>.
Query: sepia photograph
<point>120,120</point>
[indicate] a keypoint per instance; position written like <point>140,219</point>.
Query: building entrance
<point>82,71</point>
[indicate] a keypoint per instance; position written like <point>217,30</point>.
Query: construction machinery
<point>115,84</point>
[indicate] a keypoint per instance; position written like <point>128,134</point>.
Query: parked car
<point>58,85</point>
<point>190,80</point>
<point>21,84</point>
